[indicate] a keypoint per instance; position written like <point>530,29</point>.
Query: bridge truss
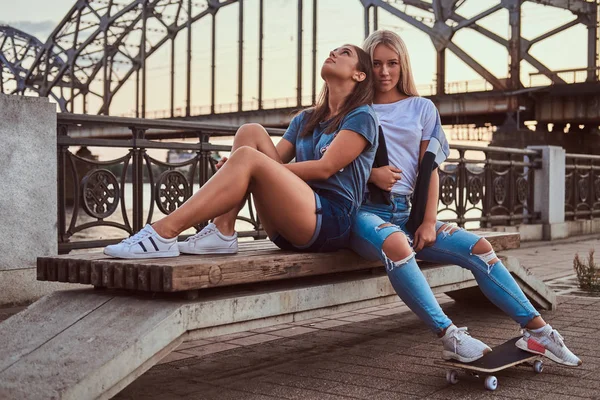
<point>102,44</point>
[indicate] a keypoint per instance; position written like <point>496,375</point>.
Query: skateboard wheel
<point>452,377</point>
<point>538,366</point>
<point>491,383</point>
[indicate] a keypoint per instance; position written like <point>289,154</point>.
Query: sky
<point>339,22</point>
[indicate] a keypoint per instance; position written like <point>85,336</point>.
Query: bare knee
<point>396,246</point>
<point>244,154</point>
<point>483,249</point>
<point>249,133</point>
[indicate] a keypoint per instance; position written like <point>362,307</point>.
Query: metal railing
<point>489,185</point>
<point>536,79</point>
<point>582,186</point>
<point>468,86</point>
<point>569,76</point>
<point>123,194</point>
<point>101,202</point>
<point>251,105</point>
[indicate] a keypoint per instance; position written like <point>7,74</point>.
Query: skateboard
<point>501,357</point>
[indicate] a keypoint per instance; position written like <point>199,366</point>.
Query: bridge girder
<point>448,21</point>
<point>18,50</point>
<point>96,36</point>
<point>110,42</point>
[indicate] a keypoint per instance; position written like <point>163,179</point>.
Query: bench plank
<point>256,261</point>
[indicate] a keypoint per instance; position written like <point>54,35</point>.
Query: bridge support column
<point>514,43</point>
<point>440,79</point>
<point>549,191</point>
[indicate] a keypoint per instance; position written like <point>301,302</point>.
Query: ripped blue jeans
<point>452,246</point>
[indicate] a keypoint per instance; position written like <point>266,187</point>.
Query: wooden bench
<point>92,343</point>
<point>257,261</point>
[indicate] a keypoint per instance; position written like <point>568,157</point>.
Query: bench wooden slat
<point>131,277</point>
<point>256,261</point>
<point>260,268</point>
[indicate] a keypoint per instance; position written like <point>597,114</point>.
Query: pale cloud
<point>39,29</point>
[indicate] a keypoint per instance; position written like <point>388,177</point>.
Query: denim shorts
<point>334,220</point>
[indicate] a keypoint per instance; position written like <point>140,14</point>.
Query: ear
<point>359,76</point>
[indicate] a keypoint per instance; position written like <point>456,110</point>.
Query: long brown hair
<point>362,94</point>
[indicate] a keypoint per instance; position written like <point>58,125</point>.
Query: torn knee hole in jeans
<point>390,265</point>
<point>383,226</point>
<point>447,230</point>
<point>490,259</point>
<point>483,250</point>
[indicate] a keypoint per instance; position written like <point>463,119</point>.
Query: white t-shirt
<point>406,123</point>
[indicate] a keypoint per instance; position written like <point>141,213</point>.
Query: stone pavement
<point>382,352</point>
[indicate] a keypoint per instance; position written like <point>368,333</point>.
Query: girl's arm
<point>344,149</point>
<point>425,235</point>
<point>286,151</point>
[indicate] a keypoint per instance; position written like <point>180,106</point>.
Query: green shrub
<point>588,274</point>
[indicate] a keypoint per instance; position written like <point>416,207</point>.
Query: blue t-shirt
<point>350,181</point>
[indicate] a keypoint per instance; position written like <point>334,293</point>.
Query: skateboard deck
<point>501,357</point>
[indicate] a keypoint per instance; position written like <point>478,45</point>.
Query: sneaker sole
<point>448,355</point>
<point>208,251</point>
<point>521,344</point>
<point>162,254</point>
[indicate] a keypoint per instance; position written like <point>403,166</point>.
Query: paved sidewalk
<point>381,352</point>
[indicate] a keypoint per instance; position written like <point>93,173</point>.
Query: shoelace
<point>557,337</point>
<point>457,336</point>
<point>138,237</point>
<point>202,233</point>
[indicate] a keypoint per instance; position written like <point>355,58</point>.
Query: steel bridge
<point>101,45</point>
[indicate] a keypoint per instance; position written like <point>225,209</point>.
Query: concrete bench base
<point>88,344</point>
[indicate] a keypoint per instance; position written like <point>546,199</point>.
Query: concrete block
<point>18,286</point>
<point>556,231</point>
<point>583,227</point>
<point>528,232</point>
<point>28,173</point>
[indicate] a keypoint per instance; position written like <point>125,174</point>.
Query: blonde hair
<point>406,83</point>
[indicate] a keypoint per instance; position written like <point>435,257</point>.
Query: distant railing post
<point>62,130</point>
<point>549,191</point>
<point>138,180</point>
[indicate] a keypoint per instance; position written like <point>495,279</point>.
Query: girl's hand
<point>424,236</point>
<point>385,177</point>
<point>221,162</point>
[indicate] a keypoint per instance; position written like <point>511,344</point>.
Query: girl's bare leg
<point>255,136</point>
<point>286,201</point>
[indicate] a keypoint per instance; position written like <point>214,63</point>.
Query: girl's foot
<point>209,241</point>
<point>548,342</point>
<point>459,345</point>
<point>144,244</point>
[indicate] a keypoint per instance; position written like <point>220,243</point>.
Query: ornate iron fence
<point>489,185</point>
<point>100,202</point>
<point>582,186</point>
<point>129,191</point>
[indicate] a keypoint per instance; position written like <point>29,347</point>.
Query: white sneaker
<point>144,244</point>
<point>459,345</point>
<point>548,343</point>
<point>209,241</point>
